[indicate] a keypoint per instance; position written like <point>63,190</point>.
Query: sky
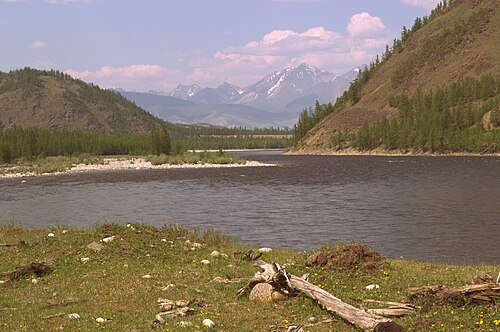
<point>143,45</point>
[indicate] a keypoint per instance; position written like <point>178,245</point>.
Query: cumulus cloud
<point>141,77</point>
<point>427,4</point>
<point>56,2</point>
<point>38,44</point>
<point>365,25</point>
<point>364,38</point>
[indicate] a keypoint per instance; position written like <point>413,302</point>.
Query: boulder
<point>262,293</point>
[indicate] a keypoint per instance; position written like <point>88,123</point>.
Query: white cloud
<point>38,44</point>
<point>141,77</point>
<point>245,64</point>
<point>427,4</point>
<point>365,25</point>
<point>56,2</point>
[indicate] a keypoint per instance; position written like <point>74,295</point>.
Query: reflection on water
<point>428,208</point>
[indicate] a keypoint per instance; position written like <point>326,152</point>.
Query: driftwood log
<point>481,293</point>
<point>276,275</point>
<point>393,309</point>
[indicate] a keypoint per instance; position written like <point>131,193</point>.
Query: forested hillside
<point>436,89</point>
<point>55,100</point>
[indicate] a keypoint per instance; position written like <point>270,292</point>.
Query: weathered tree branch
<point>276,275</point>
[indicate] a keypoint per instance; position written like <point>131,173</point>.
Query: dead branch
<point>21,244</point>
<point>481,293</point>
<point>54,316</point>
<point>276,275</point>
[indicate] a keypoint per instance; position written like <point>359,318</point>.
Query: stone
<point>208,323</point>
<point>205,261</point>
<point>262,293</point>
<point>278,296</point>
<point>265,250</point>
<point>215,254</point>
<point>95,246</point>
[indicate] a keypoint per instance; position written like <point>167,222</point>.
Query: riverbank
<point>116,277</point>
<point>381,152</point>
<point>119,163</point>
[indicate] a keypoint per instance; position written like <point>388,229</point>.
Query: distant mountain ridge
<point>275,100</point>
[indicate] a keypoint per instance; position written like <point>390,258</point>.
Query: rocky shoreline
<point>113,164</point>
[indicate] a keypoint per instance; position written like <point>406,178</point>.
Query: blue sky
<point>147,45</point>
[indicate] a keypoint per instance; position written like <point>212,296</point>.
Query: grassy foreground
<point>123,281</point>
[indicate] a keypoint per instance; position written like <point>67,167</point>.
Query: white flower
<point>34,281</point>
<point>208,323</point>
<point>73,316</point>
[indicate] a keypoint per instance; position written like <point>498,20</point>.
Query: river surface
<point>426,208</point>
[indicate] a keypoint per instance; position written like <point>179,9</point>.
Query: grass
<point>50,164</point>
<point>111,284</point>
<point>220,157</point>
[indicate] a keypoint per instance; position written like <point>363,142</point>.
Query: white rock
<point>187,242</point>
<point>84,260</point>
<point>146,276</point>
<point>128,225</point>
<point>184,323</point>
<point>163,240</point>
<point>215,253</point>
<point>224,255</point>
<point>208,323</point>
<point>23,181</point>
<point>50,235</point>
<point>372,286</point>
<point>73,316</point>
<point>264,250</point>
<point>205,261</point>
<point>64,231</point>
<point>100,320</point>
<point>108,239</point>
<point>169,286</point>
<point>34,281</point>
<point>2,281</point>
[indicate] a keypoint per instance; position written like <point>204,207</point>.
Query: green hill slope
<point>54,100</point>
<point>459,41</point>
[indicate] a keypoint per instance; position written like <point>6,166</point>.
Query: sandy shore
<point>132,164</point>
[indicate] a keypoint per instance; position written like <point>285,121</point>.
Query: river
<point>427,208</point>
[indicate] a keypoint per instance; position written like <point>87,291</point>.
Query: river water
<point>426,208</point>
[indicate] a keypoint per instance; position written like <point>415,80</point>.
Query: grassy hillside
<point>122,282</point>
<point>459,40</point>
<point>54,100</point>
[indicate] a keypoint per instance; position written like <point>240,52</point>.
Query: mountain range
<point>275,100</point>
